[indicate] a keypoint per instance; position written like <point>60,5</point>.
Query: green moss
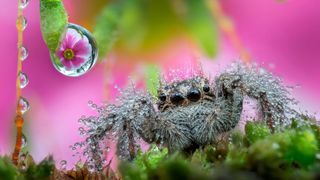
<point>7,169</point>
<point>257,154</point>
<point>292,153</point>
<point>255,131</point>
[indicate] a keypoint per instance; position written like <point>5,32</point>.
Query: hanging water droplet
<point>63,164</point>
<point>21,22</point>
<point>24,53</point>
<point>22,157</point>
<point>107,149</point>
<point>24,104</point>
<point>24,141</point>
<point>24,3</point>
<point>77,53</point>
<point>23,80</point>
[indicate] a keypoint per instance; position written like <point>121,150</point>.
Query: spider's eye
<point>162,97</point>
<point>206,88</point>
<point>194,95</point>
<point>177,98</point>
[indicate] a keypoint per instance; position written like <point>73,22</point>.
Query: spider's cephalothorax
<point>183,93</point>
<point>192,113</point>
<point>186,113</point>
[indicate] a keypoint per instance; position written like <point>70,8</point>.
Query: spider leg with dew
<point>95,130</point>
<point>127,121</point>
<point>257,83</point>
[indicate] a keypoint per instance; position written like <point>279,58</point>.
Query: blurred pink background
<point>284,37</point>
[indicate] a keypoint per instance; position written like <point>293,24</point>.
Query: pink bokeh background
<point>284,37</point>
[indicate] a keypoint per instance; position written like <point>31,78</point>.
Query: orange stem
<point>19,123</point>
<point>19,119</point>
<point>226,25</point>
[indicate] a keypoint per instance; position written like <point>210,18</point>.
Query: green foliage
<point>7,170</point>
<point>152,79</point>
<point>54,20</point>
<point>140,25</point>
<point>292,153</point>
<point>303,148</point>
<point>147,24</point>
<point>137,25</point>
<point>107,27</point>
<point>41,171</point>
<point>201,26</point>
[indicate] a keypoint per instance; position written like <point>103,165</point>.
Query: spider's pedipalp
<point>223,115</point>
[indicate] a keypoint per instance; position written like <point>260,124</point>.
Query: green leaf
<point>54,20</point>
<point>152,79</point>
<point>202,27</point>
<point>107,27</point>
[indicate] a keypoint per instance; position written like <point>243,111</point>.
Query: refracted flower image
<point>77,52</point>
<point>74,50</point>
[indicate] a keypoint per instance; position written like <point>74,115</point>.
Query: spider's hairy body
<point>187,113</point>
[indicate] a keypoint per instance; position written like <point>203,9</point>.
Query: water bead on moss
<point>77,53</point>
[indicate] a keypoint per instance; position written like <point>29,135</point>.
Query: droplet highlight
<point>24,141</point>
<point>21,22</point>
<point>23,80</point>
<point>24,3</point>
<point>77,53</point>
<point>24,105</point>
<point>24,53</point>
<point>63,165</point>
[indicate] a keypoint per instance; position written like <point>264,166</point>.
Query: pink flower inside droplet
<point>74,50</point>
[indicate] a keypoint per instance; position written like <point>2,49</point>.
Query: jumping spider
<point>186,113</point>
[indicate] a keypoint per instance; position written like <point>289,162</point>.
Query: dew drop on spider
<point>77,53</point>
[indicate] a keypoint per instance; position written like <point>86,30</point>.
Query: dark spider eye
<point>194,95</point>
<point>206,88</point>
<point>162,97</point>
<point>176,98</point>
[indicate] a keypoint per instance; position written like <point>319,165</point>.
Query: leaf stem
<point>19,119</point>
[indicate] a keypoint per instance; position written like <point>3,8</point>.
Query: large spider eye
<point>206,88</point>
<point>176,98</point>
<point>194,95</point>
<point>162,97</point>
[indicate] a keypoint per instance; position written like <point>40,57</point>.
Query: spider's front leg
<point>270,92</point>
